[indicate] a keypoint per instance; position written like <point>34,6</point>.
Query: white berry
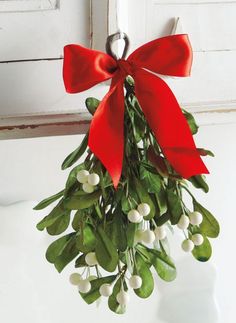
<point>135,282</point>
<point>84,286</point>
<point>75,279</point>
<point>144,209</point>
<point>91,259</point>
<point>105,290</point>
<point>93,179</point>
<point>160,232</point>
<point>195,218</point>
<point>88,188</point>
<point>122,298</point>
<point>187,245</point>
<point>197,239</point>
<point>134,216</point>
<point>82,176</point>
<point>183,222</point>
<point>148,236</point>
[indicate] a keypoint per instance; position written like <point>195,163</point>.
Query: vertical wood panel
<point>103,21</point>
<point>99,23</point>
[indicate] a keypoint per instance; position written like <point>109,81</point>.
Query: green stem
<point>187,190</point>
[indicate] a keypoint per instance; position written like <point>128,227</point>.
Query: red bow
<point>171,55</point>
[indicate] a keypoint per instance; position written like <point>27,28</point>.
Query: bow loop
<point>84,68</point>
<point>171,55</point>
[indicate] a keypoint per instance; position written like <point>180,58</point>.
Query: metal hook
<point>114,37</point>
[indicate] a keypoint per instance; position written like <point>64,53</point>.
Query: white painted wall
<point>30,170</point>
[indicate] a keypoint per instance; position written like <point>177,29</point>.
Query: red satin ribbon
<point>171,55</point>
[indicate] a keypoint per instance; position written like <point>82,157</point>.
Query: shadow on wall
<point>190,299</point>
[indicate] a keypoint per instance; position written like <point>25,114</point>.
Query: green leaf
<point>144,198</point>
<point>116,230</point>
<point>106,252</point>
<point>112,302</point>
<point>94,294</point>
<point>68,253</point>
<point>203,252</point>
<point>102,181</point>
<point>198,181</point>
<point>147,279</point>
<point>139,128</point>
<point>152,182</point>
<point>204,152</point>
<point>131,229</point>
<point>81,200</point>
<point>138,124</point>
<point>76,154</point>
<point>162,219</point>
<point>78,217</point>
<point>174,206</point>
<point>130,202</point>
<point>145,254</point>
<point>55,248</point>
<point>86,240</point>
<point>209,226</point>
<point>149,167</point>
<point>80,261</point>
<point>46,202</point>
<point>158,161</point>
<point>52,217</point>
<point>127,205</point>
<point>191,122</point>
<point>72,180</point>
<point>60,225</point>
<point>161,200</point>
<point>92,104</point>
<point>163,265</point>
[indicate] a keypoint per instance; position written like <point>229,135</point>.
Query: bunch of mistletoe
<point>119,236</point>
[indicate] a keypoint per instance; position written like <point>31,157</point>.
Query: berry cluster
<point>105,290</point>
<point>194,218</point>
<point>88,181</point>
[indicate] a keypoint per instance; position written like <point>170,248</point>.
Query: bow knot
<point>125,67</point>
<point>171,55</point>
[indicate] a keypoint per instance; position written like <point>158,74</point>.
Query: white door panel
<point>37,87</point>
<point>43,33</point>
<point>205,23</point>
<point>213,79</point>
<point>211,26</point>
<point>27,5</point>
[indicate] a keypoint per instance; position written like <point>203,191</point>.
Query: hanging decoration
<point>130,192</point>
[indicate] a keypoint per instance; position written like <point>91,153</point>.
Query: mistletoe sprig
<point>123,231</point>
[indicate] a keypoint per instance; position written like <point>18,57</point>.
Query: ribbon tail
<point>106,135</point>
<point>168,123</point>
